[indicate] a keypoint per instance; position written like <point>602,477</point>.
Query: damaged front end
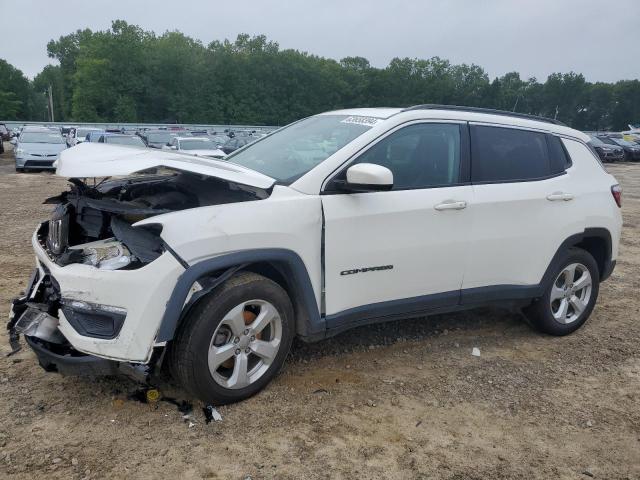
<point>93,303</point>
<point>93,225</point>
<point>35,316</point>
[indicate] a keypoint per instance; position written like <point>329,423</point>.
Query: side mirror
<point>368,177</point>
<point>13,141</point>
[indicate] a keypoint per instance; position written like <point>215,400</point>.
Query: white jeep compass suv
<point>338,220</point>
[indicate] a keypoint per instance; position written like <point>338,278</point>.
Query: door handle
<point>557,196</point>
<point>451,205</point>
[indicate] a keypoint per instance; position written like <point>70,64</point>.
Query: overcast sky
<point>534,37</point>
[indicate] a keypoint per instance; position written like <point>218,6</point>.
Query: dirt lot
<point>401,400</point>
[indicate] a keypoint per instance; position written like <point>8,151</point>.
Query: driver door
<point>404,250</point>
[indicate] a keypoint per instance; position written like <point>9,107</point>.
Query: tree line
<point>127,74</point>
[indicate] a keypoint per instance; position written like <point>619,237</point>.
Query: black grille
<point>38,163</point>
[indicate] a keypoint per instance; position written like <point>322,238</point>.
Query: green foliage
<point>16,96</point>
<point>127,74</point>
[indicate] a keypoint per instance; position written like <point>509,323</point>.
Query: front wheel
<point>569,299</point>
<point>234,341</point>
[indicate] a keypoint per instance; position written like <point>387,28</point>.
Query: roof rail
<point>490,111</point>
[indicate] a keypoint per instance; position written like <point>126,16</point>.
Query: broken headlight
<point>107,255</point>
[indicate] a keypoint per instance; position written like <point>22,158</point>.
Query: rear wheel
<point>569,299</point>
<point>234,341</point>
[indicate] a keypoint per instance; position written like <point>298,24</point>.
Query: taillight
<point>616,191</point>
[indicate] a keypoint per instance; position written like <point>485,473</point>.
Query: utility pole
<point>51,104</point>
<point>515,105</point>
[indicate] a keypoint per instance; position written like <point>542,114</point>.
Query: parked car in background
<point>38,148</point>
<point>198,146</point>
<point>606,151</point>
<point>235,143</point>
<point>78,135</point>
<point>631,150</point>
<point>93,136</point>
<point>157,138</point>
<point>5,134</point>
<point>120,139</point>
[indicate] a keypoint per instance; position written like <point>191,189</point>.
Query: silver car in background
<point>38,148</point>
<point>198,146</point>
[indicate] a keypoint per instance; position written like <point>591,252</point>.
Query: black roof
<point>491,111</point>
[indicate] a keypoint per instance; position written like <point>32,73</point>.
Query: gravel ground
<point>400,400</point>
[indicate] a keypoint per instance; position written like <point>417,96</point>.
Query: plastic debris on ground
<point>210,413</point>
<point>475,352</point>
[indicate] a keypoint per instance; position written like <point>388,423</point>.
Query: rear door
<point>524,206</point>
<point>402,250</point>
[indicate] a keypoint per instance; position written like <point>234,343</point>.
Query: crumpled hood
<point>101,160</point>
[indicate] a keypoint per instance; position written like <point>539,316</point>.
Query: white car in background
<point>339,220</point>
<point>78,135</point>
<point>198,146</point>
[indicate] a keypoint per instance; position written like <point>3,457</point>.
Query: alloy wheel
<point>245,344</point>
<point>570,293</point>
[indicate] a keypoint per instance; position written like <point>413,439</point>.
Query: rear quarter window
<point>559,159</point>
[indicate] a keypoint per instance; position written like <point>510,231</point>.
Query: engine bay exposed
<point>92,222</point>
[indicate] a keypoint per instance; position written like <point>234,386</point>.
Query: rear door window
<point>501,154</point>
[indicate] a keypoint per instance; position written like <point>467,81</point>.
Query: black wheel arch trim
<point>521,292</point>
<point>308,319</point>
<point>592,232</point>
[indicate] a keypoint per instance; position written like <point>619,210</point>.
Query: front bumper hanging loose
<point>32,318</point>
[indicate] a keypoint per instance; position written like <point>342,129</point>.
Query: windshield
<point>197,144</point>
<point>596,140</point>
<point>134,141</point>
<point>288,154</point>
<point>37,137</point>
<point>158,137</point>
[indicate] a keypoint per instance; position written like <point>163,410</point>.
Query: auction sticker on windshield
<point>367,121</point>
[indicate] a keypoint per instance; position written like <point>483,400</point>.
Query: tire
<point>546,314</point>
<point>19,170</point>
<point>209,328</point>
